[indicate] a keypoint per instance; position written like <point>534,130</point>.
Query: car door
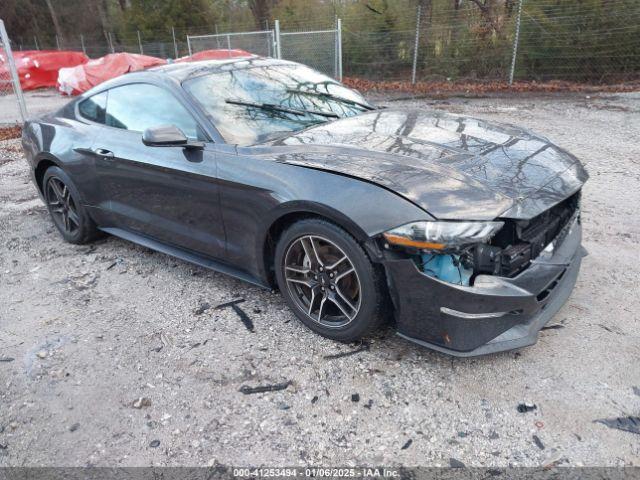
<point>79,158</point>
<point>167,193</point>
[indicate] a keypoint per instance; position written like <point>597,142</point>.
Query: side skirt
<point>185,255</point>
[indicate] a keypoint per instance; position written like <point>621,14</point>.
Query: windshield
<point>258,103</point>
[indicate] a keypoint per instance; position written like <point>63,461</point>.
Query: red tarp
<point>73,81</point>
<point>39,68</point>
<point>214,55</point>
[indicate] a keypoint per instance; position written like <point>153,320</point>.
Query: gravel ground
<point>87,331</point>
<point>38,102</point>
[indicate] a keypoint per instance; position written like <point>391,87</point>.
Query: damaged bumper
<point>495,314</point>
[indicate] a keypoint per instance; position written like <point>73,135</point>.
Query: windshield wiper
<point>278,108</point>
<point>332,97</point>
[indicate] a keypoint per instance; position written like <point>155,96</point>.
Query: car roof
<point>185,70</point>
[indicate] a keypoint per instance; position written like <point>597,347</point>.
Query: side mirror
<point>167,136</point>
<point>163,136</point>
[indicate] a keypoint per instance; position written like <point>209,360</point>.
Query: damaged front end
<point>471,288</point>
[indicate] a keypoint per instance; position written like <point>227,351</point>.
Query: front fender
<point>363,209</point>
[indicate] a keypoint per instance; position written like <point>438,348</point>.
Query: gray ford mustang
<point>468,231</point>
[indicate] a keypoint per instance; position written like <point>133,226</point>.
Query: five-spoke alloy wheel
<point>328,280</point>
<point>63,202</point>
<point>62,206</point>
<point>323,281</point>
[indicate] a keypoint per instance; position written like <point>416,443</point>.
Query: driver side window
<point>140,106</point>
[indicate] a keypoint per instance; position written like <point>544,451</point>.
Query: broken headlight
<point>445,249</point>
<point>442,235</point>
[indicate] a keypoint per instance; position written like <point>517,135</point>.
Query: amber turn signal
<point>407,242</point>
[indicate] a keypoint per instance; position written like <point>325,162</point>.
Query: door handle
<point>103,152</point>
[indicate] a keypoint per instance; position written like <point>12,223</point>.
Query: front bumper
<point>495,314</point>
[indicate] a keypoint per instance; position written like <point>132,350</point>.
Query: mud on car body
<point>276,174</point>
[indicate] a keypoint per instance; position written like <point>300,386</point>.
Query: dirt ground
<point>113,355</point>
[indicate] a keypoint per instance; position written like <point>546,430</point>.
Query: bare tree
<point>261,11</point>
<point>104,19</point>
<point>490,15</point>
<point>56,23</point>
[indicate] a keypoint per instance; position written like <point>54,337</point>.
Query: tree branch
<point>480,5</point>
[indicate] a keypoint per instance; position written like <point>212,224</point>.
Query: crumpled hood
<point>454,167</point>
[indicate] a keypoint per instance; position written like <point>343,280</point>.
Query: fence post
<point>57,42</point>
<point>339,51</point>
<point>416,45</point>
<point>35,39</point>
<point>335,46</point>
<point>515,43</point>
<point>4,39</point>
<point>215,27</point>
<point>110,42</point>
<point>84,50</point>
<point>175,45</point>
<point>276,26</point>
<point>140,42</point>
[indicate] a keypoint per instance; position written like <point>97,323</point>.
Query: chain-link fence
<point>259,43</point>
<point>12,106</point>
<point>591,41</point>
<point>583,41</point>
<point>320,49</point>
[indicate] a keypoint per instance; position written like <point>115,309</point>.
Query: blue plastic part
<point>446,267</point>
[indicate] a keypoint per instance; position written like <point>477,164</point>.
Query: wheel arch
<point>43,162</point>
<point>287,215</point>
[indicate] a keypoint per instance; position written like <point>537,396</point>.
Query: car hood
<point>454,167</point>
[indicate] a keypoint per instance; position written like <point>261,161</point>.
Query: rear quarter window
<point>94,108</point>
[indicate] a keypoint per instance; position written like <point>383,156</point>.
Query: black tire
<point>67,212</point>
<point>364,286</point>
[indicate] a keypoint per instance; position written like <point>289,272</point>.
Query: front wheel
<point>328,280</point>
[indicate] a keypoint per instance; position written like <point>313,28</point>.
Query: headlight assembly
<point>442,235</point>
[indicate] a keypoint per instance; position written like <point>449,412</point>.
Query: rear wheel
<point>328,280</point>
<point>63,202</point>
